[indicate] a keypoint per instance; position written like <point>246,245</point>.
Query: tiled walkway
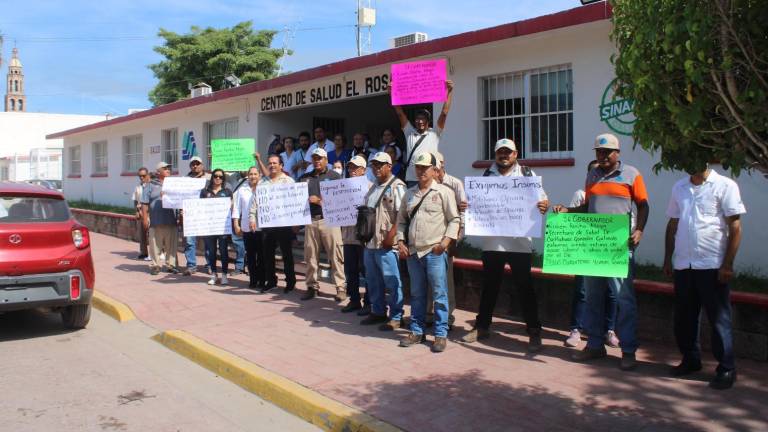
<point>494,385</point>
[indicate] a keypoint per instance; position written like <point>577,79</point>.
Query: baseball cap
<point>320,152</point>
<point>162,165</point>
<point>607,141</point>
<point>358,161</point>
<point>426,159</point>
<point>505,143</point>
<point>195,159</point>
<point>382,157</point>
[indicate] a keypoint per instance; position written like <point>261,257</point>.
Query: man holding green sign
<point>611,190</point>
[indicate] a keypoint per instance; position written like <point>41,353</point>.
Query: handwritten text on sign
<point>587,244</point>
<point>178,189</point>
<point>419,82</point>
<point>341,199</point>
<point>235,154</point>
<point>207,217</point>
<point>503,206</point>
<point>283,205</point>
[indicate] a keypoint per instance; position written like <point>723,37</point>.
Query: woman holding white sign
<point>216,189</point>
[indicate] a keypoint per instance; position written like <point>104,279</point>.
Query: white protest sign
<point>283,205</point>
<point>503,206</point>
<point>341,199</point>
<point>178,189</point>
<point>207,217</point>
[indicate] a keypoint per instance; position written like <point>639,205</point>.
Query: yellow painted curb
<point>317,409</point>
<point>112,307</point>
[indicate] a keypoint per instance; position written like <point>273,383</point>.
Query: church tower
<point>14,94</point>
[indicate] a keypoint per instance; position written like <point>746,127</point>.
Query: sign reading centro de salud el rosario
<point>617,114</point>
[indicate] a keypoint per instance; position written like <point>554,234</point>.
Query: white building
<point>25,153</point>
<point>540,81</point>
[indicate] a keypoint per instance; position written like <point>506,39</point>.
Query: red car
<point>45,254</point>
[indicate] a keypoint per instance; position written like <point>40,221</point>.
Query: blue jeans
<point>383,282</point>
<point>626,314</point>
<point>579,306</point>
<point>190,252</point>
<point>429,271</point>
<point>211,243</point>
<point>239,245</point>
<point>353,266</point>
<point>694,290</point>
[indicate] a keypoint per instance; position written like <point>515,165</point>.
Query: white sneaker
<point>147,259</point>
<point>224,279</point>
<point>212,280</point>
<point>611,340</point>
<point>574,339</point>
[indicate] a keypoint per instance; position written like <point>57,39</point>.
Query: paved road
<point>112,377</point>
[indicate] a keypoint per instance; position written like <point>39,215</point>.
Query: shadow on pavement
<point>29,324</point>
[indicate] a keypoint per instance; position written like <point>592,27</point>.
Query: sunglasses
<point>218,177</point>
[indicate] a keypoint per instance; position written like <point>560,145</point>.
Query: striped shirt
<point>616,191</point>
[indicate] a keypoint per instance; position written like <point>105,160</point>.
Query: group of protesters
<point>417,210</point>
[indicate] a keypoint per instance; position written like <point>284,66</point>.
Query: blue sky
<point>91,57</point>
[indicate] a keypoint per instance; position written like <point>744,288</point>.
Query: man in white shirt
<point>702,238</point>
<point>320,141</point>
<point>422,138</point>
<point>143,174</point>
<point>515,251</point>
<point>252,236</point>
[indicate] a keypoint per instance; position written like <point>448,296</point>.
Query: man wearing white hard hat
<point>613,188</point>
<point>317,234</point>
<point>515,251</point>
<point>353,249</point>
<point>161,223</point>
<point>381,263</point>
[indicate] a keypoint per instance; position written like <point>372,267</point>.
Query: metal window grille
<point>534,108</point>
<point>100,164</point>
<point>74,160</point>
<point>170,147</point>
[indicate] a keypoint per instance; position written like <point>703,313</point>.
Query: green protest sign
<point>232,154</point>
<point>587,244</point>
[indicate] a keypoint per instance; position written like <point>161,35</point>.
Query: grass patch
<point>87,205</point>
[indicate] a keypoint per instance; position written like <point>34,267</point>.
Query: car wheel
<point>76,316</point>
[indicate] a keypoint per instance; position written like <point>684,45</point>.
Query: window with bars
<point>100,164</point>
<point>534,108</point>
<point>219,129</point>
<point>74,160</point>
<point>133,153</point>
<point>170,147</point>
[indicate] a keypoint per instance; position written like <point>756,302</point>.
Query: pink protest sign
<point>419,82</point>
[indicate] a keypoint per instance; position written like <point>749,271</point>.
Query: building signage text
<point>326,93</point>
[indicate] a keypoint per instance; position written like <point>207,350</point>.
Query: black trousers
<point>695,289</point>
<point>282,237</point>
<point>254,252</point>
<point>493,273</point>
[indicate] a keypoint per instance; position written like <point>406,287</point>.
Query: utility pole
<point>366,19</point>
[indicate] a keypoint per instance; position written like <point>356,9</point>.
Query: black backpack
<point>365,228</point>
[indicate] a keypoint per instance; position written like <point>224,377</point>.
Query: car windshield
<point>32,209</point>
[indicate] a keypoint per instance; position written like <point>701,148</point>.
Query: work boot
<point>411,339</point>
<point>391,325</point>
<point>589,354</point>
<point>340,296</point>
<point>534,340</point>
<point>685,368</point>
<point>310,294</point>
<point>154,271</point>
<point>476,334</point>
<point>374,319</point>
<point>628,361</point>
<point>366,310</point>
<point>439,345</point>
<point>351,307</point>
<point>723,380</point>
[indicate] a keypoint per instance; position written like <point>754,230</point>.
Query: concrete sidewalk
<point>488,386</point>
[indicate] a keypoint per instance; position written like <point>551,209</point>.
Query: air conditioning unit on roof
<point>409,39</point>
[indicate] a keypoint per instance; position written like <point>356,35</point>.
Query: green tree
<point>209,55</point>
<point>698,72</point>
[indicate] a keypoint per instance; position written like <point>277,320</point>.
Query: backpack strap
<point>415,146</point>
<point>526,171</point>
<point>416,209</point>
<point>381,197</point>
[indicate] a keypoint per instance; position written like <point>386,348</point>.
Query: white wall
<point>23,132</point>
<point>586,48</point>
